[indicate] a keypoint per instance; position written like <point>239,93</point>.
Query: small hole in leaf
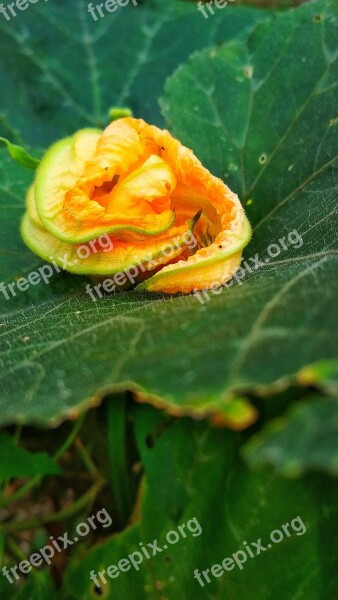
<point>98,591</point>
<point>317,18</point>
<point>150,443</point>
<point>262,159</point>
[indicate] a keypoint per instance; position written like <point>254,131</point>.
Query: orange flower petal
<point>141,186</point>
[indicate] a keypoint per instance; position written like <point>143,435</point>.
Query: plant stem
<point>86,458</point>
<point>66,513</point>
<point>36,480</point>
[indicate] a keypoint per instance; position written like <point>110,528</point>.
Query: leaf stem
<point>37,479</point>
<point>63,514</point>
<point>20,155</point>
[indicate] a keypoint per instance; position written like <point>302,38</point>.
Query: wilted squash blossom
<point>147,191</point>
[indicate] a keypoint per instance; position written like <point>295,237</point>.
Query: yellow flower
<point>145,191</point>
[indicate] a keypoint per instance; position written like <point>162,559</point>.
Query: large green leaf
<point>305,439</point>
<point>182,461</point>
<point>38,586</point>
<point>16,461</point>
<point>63,71</point>
<point>266,122</point>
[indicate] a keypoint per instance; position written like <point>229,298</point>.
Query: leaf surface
<point>305,439</point>
<point>182,460</point>
<point>233,104</point>
<point>16,461</point>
